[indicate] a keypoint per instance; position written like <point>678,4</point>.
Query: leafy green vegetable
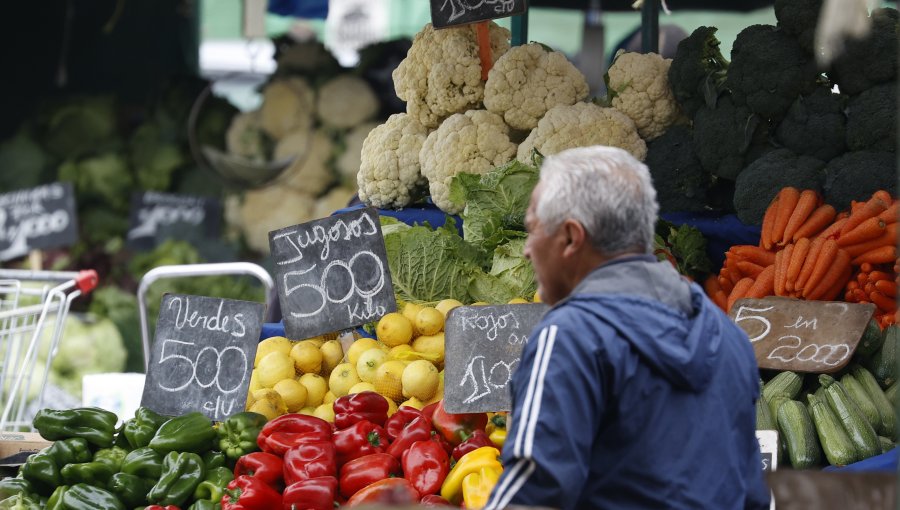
<point>104,178</point>
<point>153,158</point>
<point>79,126</point>
<point>23,161</point>
<point>122,309</point>
<point>685,247</point>
<point>513,269</point>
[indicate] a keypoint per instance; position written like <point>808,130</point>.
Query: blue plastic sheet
<point>885,462</point>
<point>308,9</point>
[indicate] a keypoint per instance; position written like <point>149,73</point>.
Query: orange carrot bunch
<point>876,284</point>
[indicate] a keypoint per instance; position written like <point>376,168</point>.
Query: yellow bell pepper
<point>485,457</point>
<point>498,437</point>
<point>477,487</point>
<point>496,429</point>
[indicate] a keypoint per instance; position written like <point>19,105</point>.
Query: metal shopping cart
<point>33,309</point>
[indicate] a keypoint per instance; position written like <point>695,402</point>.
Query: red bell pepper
<point>428,410</point>
<point>439,439</point>
<point>309,460</point>
<point>361,438</point>
<point>425,465</point>
<point>360,472</point>
<point>289,430</point>
<point>311,494</point>
<point>400,419</point>
<point>250,493</point>
<point>366,405</point>
<point>160,507</point>
<point>433,500</point>
<point>417,430</point>
<point>390,491</point>
<point>456,428</point>
<point>478,439</point>
<point>265,466</point>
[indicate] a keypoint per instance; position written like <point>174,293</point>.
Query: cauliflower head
<point>441,74</point>
<point>582,125</point>
<point>288,105</point>
<point>530,79</point>
<point>311,172</point>
<point>346,101</point>
<point>349,161</point>
<point>272,208</point>
<point>334,200</point>
<point>389,172</point>
<point>639,86</point>
<point>472,142</point>
<point>246,138</point>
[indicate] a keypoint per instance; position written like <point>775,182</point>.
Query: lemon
<point>429,321</point>
<point>329,397</point>
<point>274,367</point>
<point>272,344</point>
<point>361,387</point>
<point>254,381</point>
<point>480,303</point>
<point>387,379</point>
<point>399,351</point>
<point>316,340</point>
<point>250,400</point>
<point>265,408</point>
<point>324,411</point>
<point>342,378</point>
<point>332,355</point>
<point>293,393</point>
<point>316,386</point>
<point>394,329</point>
<point>392,407</point>
<point>419,380</point>
<point>537,297</point>
<point>307,358</point>
<point>432,345</point>
<point>439,393</point>
<point>358,347</point>
<point>368,363</point>
<point>444,306</point>
<point>269,398</point>
<point>517,301</point>
<point>410,310</point>
<point>413,402</point>
<point>308,410</point>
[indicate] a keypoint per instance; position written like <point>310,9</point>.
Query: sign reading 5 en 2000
<point>332,273</point>
<point>37,218</point>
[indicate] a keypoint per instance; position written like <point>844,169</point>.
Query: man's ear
<point>575,237</point>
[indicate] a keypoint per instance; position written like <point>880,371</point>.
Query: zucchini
<point>839,450</point>
<point>799,435</point>
<point>884,364</point>
<point>861,434</point>
<point>764,419</point>
<point>886,444</point>
<point>862,400</point>
<point>892,393</point>
<point>887,418</point>
<point>774,404</point>
<point>871,340</point>
<point>786,384</point>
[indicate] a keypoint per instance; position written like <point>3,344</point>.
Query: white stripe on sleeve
<point>511,475</point>
<point>529,395</point>
<point>532,419</point>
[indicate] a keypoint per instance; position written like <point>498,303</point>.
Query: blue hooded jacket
<point>634,392</point>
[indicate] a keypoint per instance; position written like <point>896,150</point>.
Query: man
<point>634,391</point>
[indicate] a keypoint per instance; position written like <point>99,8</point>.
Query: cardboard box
<point>15,447</point>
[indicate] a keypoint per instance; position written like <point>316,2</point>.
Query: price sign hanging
<point>445,13</point>
<point>37,218</point>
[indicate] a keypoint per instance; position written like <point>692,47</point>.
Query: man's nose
<point>526,251</point>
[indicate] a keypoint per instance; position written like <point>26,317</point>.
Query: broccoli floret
<point>769,70</point>
<point>723,134</point>
<point>698,70</point>
<point>761,180</point>
<point>815,125</point>
<point>799,18</point>
<point>681,181</point>
<point>871,60</point>
<point>872,119</point>
<point>856,175</point>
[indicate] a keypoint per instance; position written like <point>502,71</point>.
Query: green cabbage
<point>513,269</point>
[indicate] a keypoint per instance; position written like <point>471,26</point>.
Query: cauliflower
<point>311,172</point>
<point>272,208</point>
<point>348,162</point>
<point>246,138</point>
<point>582,125</point>
<point>472,142</point>
<point>288,105</point>
<point>639,87</point>
<point>441,74</point>
<point>346,101</point>
<point>334,200</point>
<point>389,172</point>
<point>530,79</point>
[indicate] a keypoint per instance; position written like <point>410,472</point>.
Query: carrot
<point>750,269</point>
<point>781,265</point>
<point>833,230</point>
<point>711,285</point>
<point>852,285</point>
<point>725,284</point>
<point>886,287</point>
<point>890,215</point>
<point>801,248</point>
<point>824,261</point>
<point>720,299</point>
<point>873,207</point>
<point>865,231</point>
<point>883,302</point>
<point>869,287</point>
<point>739,291</point>
<point>817,222</point>
<point>814,248</point>
<point>883,195</point>
<point>866,267</point>
<point>881,255</point>
<point>482,31</point>
<point>764,285</point>
<point>787,202</point>
<point>888,238</point>
<point>874,276</point>
<point>835,290</point>
<point>754,254</point>
<point>836,267</point>
<point>862,278</point>
<point>805,207</point>
<point>765,237</point>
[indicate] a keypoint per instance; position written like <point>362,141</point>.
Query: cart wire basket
<point>33,309</point>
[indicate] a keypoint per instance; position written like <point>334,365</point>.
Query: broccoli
<point>761,180</point>
<point>769,70</point>
<point>871,60</point>
<point>105,179</point>
<point>681,181</point>
<point>872,119</point>
<point>698,70</point>
<point>79,126</point>
<point>24,162</point>
<point>815,125</point>
<point>723,134</point>
<point>799,18</point>
<point>153,157</point>
<point>856,175</point>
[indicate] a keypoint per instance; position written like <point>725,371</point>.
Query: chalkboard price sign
<point>802,336</point>
<point>445,13</point>
<point>482,347</point>
<point>37,218</point>
<point>202,355</point>
<point>154,214</point>
<point>332,273</point>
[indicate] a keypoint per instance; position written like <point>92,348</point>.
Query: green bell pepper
<point>55,501</point>
<point>191,432</point>
<point>12,486</point>
<point>130,489</point>
<point>70,451</point>
<point>213,486</point>
<point>141,429</point>
<point>21,501</point>
<point>213,460</point>
<point>205,504</point>
<point>182,473</point>
<point>237,434</point>
<point>86,497</point>
<point>89,473</point>
<point>41,470</point>
<point>144,462</point>
<point>112,456</point>
<point>93,424</point>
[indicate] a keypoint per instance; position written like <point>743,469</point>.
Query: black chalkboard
<point>37,218</point>
<point>445,13</point>
<point>202,355</point>
<point>482,347</point>
<point>155,216</point>
<point>332,273</point>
